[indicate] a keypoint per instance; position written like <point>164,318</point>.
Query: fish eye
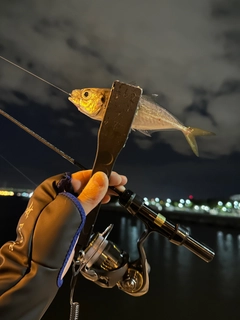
<point>86,94</point>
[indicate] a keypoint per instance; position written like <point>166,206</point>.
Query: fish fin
<point>191,133</point>
<point>150,98</point>
<point>145,132</point>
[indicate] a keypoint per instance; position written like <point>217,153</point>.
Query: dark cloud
<point>227,16</point>
<point>85,50</point>
<point>229,86</point>
<point>46,25</point>
<point>202,97</point>
<point>232,45</point>
<point>94,52</point>
<point>1,48</point>
<point>222,9</point>
<point>19,95</point>
<point>200,106</point>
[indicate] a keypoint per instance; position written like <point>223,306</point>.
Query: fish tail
<point>190,134</point>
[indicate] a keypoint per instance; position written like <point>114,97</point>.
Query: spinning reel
<point>105,264</point>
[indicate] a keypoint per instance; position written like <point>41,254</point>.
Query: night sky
<point>187,52</point>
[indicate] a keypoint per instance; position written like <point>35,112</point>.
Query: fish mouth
<point>74,101</point>
<point>71,99</point>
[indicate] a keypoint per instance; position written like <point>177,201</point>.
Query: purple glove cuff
<point>65,184</point>
<point>72,246</point>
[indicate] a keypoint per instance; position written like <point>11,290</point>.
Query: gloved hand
<point>32,267</point>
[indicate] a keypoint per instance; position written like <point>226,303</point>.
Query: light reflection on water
<point>129,234</point>
<point>182,286</point>
<point>186,285</point>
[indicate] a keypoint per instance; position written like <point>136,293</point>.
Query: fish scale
<point>150,117</point>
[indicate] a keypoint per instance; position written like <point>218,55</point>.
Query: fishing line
<point>41,139</point>
<point>34,75</point>
<point>18,170</point>
<point>51,146</point>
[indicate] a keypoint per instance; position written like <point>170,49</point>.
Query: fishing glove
<point>47,233</point>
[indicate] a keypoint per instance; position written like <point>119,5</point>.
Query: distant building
<point>235,197</point>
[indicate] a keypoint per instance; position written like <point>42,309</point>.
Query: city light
<point>6,193</point>
<point>16,192</point>
<point>213,207</point>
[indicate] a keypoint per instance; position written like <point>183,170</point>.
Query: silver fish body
<point>151,117</point>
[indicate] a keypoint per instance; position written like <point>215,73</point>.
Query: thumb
<point>94,191</point>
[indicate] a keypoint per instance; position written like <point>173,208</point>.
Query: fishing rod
<point>134,204</point>
<point>127,198</point>
<point>96,258</point>
<point>49,145</point>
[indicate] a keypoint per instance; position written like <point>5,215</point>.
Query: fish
<point>150,116</point>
